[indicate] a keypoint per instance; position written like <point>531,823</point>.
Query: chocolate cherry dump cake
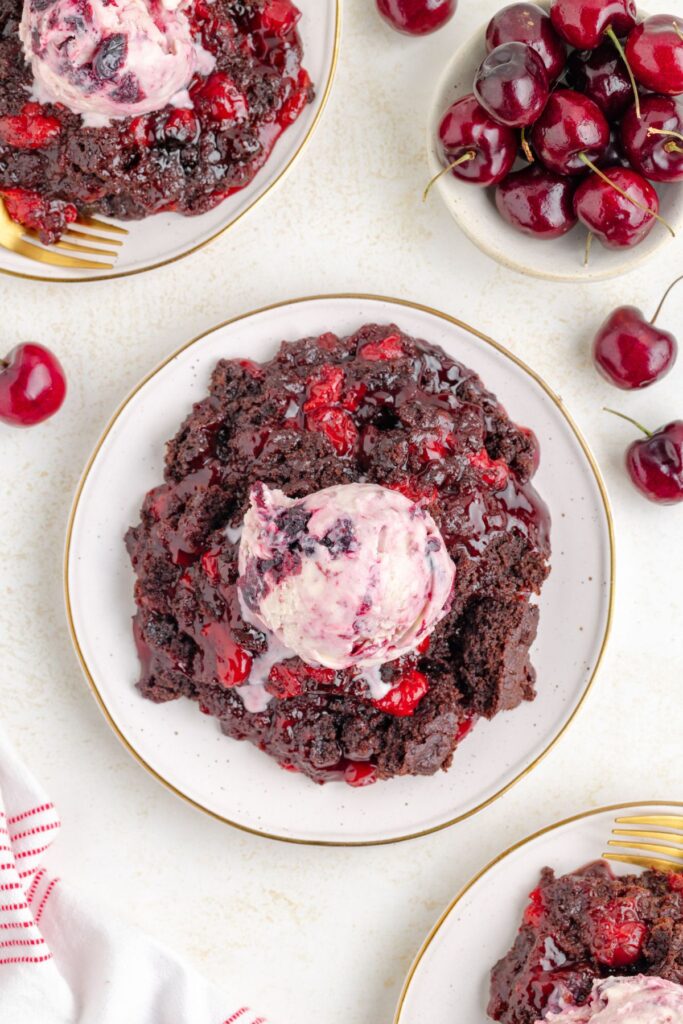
<point>595,947</point>
<point>340,562</point>
<point>139,107</point>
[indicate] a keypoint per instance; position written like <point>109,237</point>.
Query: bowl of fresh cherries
<point>556,138</point>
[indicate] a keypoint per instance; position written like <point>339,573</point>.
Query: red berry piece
<point>279,17</point>
<point>417,17</point>
<point>528,23</point>
<point>571,130</point>
<point>654,51</point>
<point>494,472</point>
<point>32,385</point>
<point>474,147</point>
<point>617,934</point>
<point>359,774</point>
<point>655,462</point>
<point>633,352</point>
<point>407,693</point>
<point>233,663</point>
<point>209,562</point>
<point>182,126</point>
<point>583,23</point>
<point>324,389</point>
<point>511,85</point>
<point>415,490</point>
<point>49,217</point>
<point>537,202</point>
<point>533,915</point>
<point>653,142</point>
<point>31,129</point>
<point>390,347</point>
<point>675,881</point>
<point>465,727</point>
<point>620,217</point>
<point>220,99</point>
<point>337,426</point>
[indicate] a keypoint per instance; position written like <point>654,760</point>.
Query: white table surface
<point>323,936</point>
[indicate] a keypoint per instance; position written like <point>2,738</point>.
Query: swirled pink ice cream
<point>111,58</point>
<point>353,575</point>
<point>624,1000</point>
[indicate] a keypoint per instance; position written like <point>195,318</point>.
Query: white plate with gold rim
<point>167,237</point>
<point>448,982</point>
<point>234,781</point>
<point>474,209</point>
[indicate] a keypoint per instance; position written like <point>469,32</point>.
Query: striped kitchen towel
<point>62,964</point>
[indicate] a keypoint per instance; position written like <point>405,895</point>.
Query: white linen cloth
<point>62,964</point>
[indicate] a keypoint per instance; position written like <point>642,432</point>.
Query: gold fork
<point>14,237</point>
<point>665,829</point>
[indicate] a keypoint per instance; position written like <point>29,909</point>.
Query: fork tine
<point>33,252</point>
<point>71,233</point>
<point>668,851</point>
<point>74,247</point>
<point>643,833</point>
<point>102,225</point>
<point>660,820</point>
<point>643,862</point>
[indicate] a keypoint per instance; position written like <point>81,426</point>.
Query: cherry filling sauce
<point>379,407</point>
<point>52,167</point>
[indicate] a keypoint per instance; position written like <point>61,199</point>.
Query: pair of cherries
<point>633,353</point>
<point>575,110</point>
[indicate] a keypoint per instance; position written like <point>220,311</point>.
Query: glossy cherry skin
<point>658,157</point>
<point>655,52</point>
<point>529,23</point>
<point>32,385</point>
<point>655,464</point>
<point>583,23</point>
<point>614,154</point>
<point>467,128</point>
<point>601,75</point>
<point>417,17</point>
<point>511,85</point>
<point>631,352</point>
<point>570,125</point>
<point>537,202</point>
<point>616,221</point>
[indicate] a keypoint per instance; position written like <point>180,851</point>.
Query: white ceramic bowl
<point>234,781</point>
<point>449,980</point>
<point>166,237</point>
<point>474,209</point>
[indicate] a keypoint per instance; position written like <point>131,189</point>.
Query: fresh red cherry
<point>655,463</point>
<point>529,23</point>
<point>571,131</point>
<point>601,75</point>
<point>417,17</point>
<point>618,206</point>
<point>32,385</point>
<point>537,202</point>
<point>653,142</point>
<point>654,51</point>
<point>474,146</point>
<point>584,23</point>
<point>511,85</point>
<point>633,352</point>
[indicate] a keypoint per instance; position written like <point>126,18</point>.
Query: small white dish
<point>449,979</point>
<point>234,781</point>
<point>167,237</point>
<point>474,209</point>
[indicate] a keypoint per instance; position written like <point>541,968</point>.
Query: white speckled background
<point>310,935</point>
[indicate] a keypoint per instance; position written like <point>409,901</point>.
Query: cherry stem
<point>673,147</point>
<point>678,30</point>
<point>596,170</point>
<point>589,242</point>
<point>629,419</point>
<point>526,148</point>
<point>667,293</point>
<point>465,158</point>
<point>622,53</point>
<point>664,131</point>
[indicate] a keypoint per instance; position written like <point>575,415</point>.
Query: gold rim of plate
<point>557,401</point>
<point>75,279</point>
<point>609,809</point>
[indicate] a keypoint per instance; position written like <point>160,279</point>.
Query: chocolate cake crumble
<point>377,407</point>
